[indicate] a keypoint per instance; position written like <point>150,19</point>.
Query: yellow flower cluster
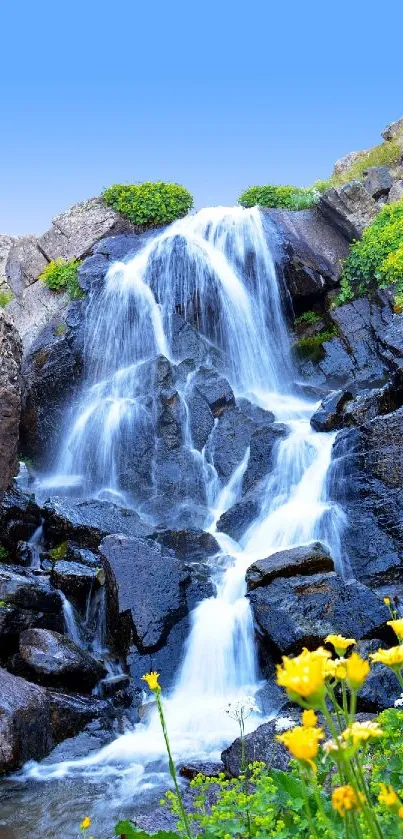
<point>345,799</point>
<point>397,626</point>
<point>303,677</point>
<point>303,742</point>
<point>340,643</point>
<point>391,658</point>
<point>152,681</point>
<point>357,671</point>
<point>360,732</point>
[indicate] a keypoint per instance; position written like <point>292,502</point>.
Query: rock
<point>312,254</point>
<point>70,713</point>
<point>75,232</point>
<point>381,687</point>
<point>24,264</point>
<point>395,192</point>
<point>25,726</point>
<point>344,163</point>
<point>378,181</point>
<point>307,559</point>
<point>10,400</point>
<point>75,580</point>
<point>28,591</point>
<point>261,458</point>
<point>373,403</point>
<point>215,389</point>
<point>329,415</point>
<point>350,208</point>
<point>34,309</point>
<point>189,545</point>
<point>20,516</point>
<point>392,340</point>
<point>261,745</point>
<point>188,343</point>
<point>207,768</point>
<point>91,273</point>
<point>87,522</point>
<point>6,243</point>
<point>300,611</point>
<point>238,518</point>
<point>395,129</point>
<point>53,659</point>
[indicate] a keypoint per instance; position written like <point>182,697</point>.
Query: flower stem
<point>172,768</point>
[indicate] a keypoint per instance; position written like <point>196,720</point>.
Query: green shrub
<point>149,204</point>
<point>376,261</point>
<point>307,318</point>
<point>386,154</point>
<point>3,554</point>
<point>283,197</point>
<point>5,297</point>
<point>61,275</point>
<point>311,348</point>
<point>59,552</point>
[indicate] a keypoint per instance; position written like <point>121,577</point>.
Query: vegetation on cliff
<point>61,275</point>
<point>385,154</point>
<point>149,204</point>
<point>281,197</point>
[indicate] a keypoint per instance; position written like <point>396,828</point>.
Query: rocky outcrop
<point>378,181</point>
<point>349,208</point>
<point>307,559</point>
<point>52,659</point>
<point>88,522</point>
<point>6,243</point>
<point>10,400</point>
<point>260,745</point>
<point>74,232</point>
<point>25,726</point>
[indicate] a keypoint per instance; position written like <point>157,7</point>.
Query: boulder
<point>52,659</point>
<point>6,243</point>
<point>305,560</point>
<point>260,745</point>
<point>378,181</point>
<point>76,580</point>
<point>28,591</point>
<point>20,516</point>
<point>344,163</point>
<point>10,400</point>
<point>24,264</point>
<point>88,522</point>
<point>395,192</point>
<point>214,389</point>
<point>395,129</point>
<point>381,687</point>
<point>240,516</point>
<point>75,232</point>
<point>70,713</point>
<point>300,611</point>
<point>25,725</point>
<point>329,415</point>
<point>349,208</point>
<point>34,308</point>
<point>188,545</point>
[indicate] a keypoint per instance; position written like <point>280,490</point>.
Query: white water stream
<point>218,268</point>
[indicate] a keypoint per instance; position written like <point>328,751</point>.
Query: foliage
<point>61,275</point>
<point>311,347</point>
<point>386,154</point>
<point>60,329</point>
<point>5,297</point>
<point>59,552</point>
<point>127,830</point>
<point>376,261</point>
<point>149,204</point>
<point>282,197</point>
<point>3,554</point>
<point>309,318</point>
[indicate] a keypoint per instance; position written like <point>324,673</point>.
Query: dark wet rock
<point>87,522</point>
<point>15,619</point>
<point>51,374</point>
<point>392,340</point>
<point>270,698</point>
<point>304,560</point>
<point>349,208</point>
<point>91,272</point>
<point>76,580</point>
<point>300,611</point>
<point>376,402</point>
<point>261,745</point>
<point>201,419</point>
<point>215,389</point>
<point>378,181</point>
<point>83,556</point>
<point>10,399</point>
<point>381,687</point>
<point>53,659</point>
<point>189,545</point>
<point>25,554</point>
<point>328,416</point>
<point>70,713</point>
<point>206,768</point>
<point>20,516</point>
<point>122,245</point>
<point>261,458</point>
<point>238,518</point>
<point>313,251</point>
<point>25,727</point>
<point>28,591</point>
<point>113,685</point>
<point>188,343</point>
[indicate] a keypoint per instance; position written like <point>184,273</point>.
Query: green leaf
<point>126,829</point>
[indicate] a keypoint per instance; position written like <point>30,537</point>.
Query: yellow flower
<point>400,812</point>
<point>303,743</point>
<point>340,643</point>
<point>345,798</point>
<point>303,677</point>
<point>357,671</point>
<point>152,681</point>
<point>388,796</point>
<point>309,719</point>
<point>360,732</point>
<point>336,668</point>
<point>391,658</point>
<point>336,745</point>
<point>397,627</point>
<point>386,601</point>
<point>86,823</point>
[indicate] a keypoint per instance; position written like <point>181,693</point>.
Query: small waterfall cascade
<point>216,271</point>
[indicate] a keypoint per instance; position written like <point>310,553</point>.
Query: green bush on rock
<point>311,347</point>
<point>385,154</point>
<point>62,276</point>
<point>149,204</point>
<point>281,197</point>
<point>5,297</point>
<point>376,261</point>
<point>307,318</point>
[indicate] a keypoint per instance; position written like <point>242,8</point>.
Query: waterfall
<point>217,271</point>
<point>71,622</point>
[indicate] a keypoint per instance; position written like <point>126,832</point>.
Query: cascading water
<point>216,271</point>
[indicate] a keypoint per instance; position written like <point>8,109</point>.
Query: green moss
<point>149,204</point>
<point>3,554</point>
<point>309,318</point>
<point>311,348</point>
<point>386,154</point>
<point>283,197</point>
<point>59,552</point>
<point>5,297</point>
<point>60,329</point>
<point>376,261</point>
<point>61,275</point>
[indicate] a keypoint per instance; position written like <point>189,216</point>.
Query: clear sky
<point>217,95</point>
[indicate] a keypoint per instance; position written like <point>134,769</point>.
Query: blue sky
<point>216,95</point>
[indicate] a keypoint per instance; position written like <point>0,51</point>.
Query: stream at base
<point>219,664</point>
